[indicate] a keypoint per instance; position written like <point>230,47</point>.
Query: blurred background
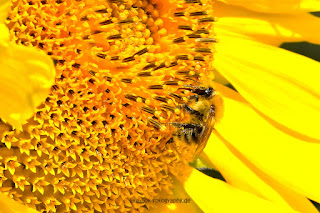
<point>304,48</point>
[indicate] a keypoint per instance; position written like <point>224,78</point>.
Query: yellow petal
<point>213,195</point>
<point>282,85</point>
<point>244,175</point>
<point>25,80</point>
<point>268,28</point>
<point>280,6</point>
<point>8,205</point>
<point>283,157</point>
<point>4,8</point>
<point>4,35</point>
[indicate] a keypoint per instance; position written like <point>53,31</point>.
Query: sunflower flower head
<point>131,106</point>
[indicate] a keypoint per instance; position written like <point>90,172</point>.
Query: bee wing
<point>205,134</point>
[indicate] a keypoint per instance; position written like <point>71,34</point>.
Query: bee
<point>201,110</point>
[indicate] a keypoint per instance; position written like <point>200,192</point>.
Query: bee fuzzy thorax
<point>131,106</point>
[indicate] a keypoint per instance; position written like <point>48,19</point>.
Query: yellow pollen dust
<point>130,108</point>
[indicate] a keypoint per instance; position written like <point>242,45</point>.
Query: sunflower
<point>135,100</point>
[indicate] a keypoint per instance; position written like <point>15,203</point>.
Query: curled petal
<point>25,80</point>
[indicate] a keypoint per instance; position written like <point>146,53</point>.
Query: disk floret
<point>131,105</point>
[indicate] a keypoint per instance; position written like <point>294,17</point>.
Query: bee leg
<point>189,132</point>
<point>188,135</point>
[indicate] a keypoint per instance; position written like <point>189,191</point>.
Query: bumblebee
<point>201,110</point>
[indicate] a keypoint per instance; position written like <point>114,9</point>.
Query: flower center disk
<point>131,106</point>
